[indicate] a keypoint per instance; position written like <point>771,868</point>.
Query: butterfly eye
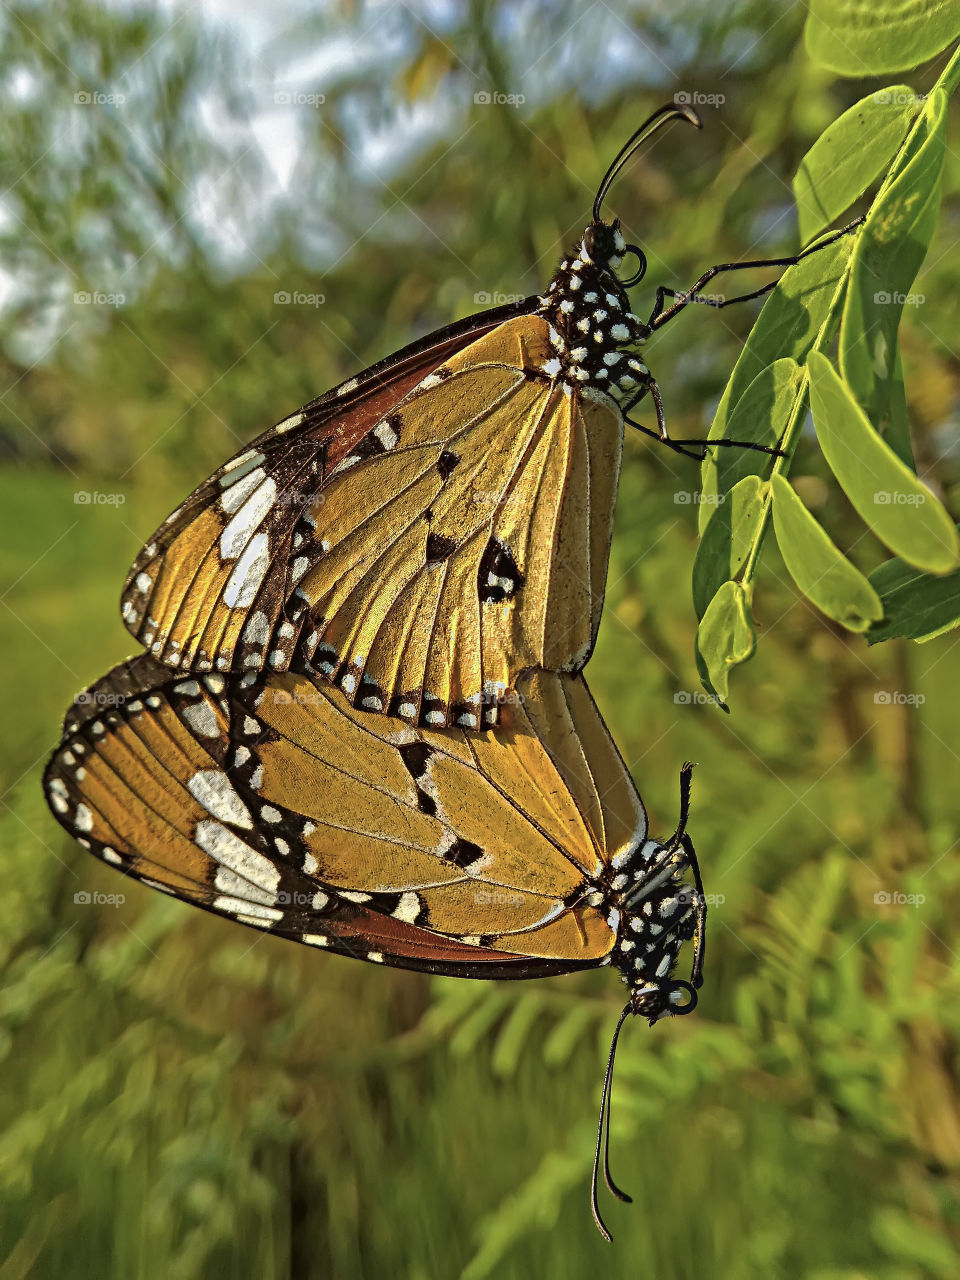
<point>598,242</point>
<point>641,270</point>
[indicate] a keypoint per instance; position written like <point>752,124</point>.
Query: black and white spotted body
<point>593,331</point>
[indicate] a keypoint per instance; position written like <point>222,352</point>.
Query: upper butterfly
<point>433,527</point>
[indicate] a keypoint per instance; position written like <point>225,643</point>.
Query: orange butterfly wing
<point>462,539</point>
<point>280,806</point>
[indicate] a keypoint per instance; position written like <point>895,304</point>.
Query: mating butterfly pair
<point>360,722</point>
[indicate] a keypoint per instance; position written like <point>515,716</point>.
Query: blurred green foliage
<point>184,1098</point>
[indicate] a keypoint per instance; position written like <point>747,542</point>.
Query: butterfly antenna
<point>603,1136</point>
<point>649,127</point>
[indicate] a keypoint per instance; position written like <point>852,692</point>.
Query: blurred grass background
<point>184,1098</point>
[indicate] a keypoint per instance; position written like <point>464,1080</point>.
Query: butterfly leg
<point>661,434</point>
<point>696,449</point>
<point>660,315</point>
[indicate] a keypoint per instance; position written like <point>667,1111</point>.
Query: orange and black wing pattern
<point>420,537</point>
<point>273,802</point>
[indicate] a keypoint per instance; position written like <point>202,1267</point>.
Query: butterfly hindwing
<point>422,563</point>
<point>276,803</point>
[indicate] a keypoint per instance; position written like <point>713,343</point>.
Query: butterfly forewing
<point>276,803</point>
<point>419,543</point>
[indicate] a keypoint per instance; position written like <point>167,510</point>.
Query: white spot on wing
<point>408,908</point>
<point>289,423</point>
<point>239,490</point>
<point>386,435</point>
<point>248,518</point>
<point>248,573</point>
<point>212,788</point>
<point>202,719</point>
<point>231,852</point>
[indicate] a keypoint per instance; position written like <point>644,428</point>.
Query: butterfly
<point>513,854</point>
<point>435,526</point>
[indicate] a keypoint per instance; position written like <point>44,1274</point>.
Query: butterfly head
<point>657,912</point>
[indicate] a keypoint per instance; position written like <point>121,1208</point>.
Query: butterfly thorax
<point>592,329</point>
<point>655,915</point>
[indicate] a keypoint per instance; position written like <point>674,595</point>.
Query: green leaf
<point>853,38</point>
<point>728,539</point>
<point>894,424</point>
<point>900,510</point>
<point>850,155</point>
<point>890,248</point>
<point>725,637</point>
<point>759,415</point>
<point>787,327</point>
<point>916,605</point>
<point>818,567</point>
<point>908,1238</point>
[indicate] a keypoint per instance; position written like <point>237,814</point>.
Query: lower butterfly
<point>521,853</point>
